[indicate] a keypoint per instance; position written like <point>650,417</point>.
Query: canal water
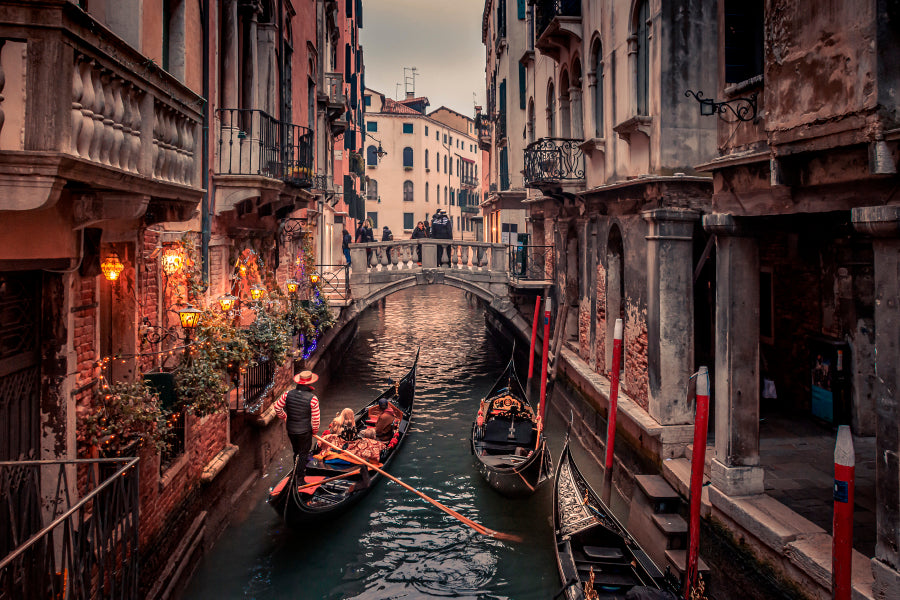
<point>393,544</point>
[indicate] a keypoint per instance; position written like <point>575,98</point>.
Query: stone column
<point>884,223</point>
<point>229,51</point>
<point>735,470</point>
<point>250,80</point>
<point>575,111</point>
<point>670,312</point>
<point>593,90</point>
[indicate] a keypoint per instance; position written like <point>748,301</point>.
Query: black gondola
<point>593,550</point>
<point>338,487</point>
<point>510,449</point>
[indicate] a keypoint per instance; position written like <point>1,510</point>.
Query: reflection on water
<point>393,544</point>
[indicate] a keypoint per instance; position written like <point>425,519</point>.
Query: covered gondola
<point>595,554</point>
<point>332,482</point>
<point>507,440</point>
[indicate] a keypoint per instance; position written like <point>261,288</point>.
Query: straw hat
<point>305,378</point>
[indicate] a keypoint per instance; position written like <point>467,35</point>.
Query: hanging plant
<point>270,334</point>
<point>125,416</point>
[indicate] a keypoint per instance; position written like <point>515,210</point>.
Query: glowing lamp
<point>190,317</point>
<point>172,260</point>
<point>242,269</point>
<point>314,278</point>
<point>257,292</point>
<point>292,285</point>
<point>112,267</point>
<point>226,301</point>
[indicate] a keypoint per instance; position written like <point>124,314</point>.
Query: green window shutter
<point>504,169</point>
<point>522,76</point>
<point>521,7</point>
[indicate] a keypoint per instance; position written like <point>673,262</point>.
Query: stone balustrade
<point>402,255</point>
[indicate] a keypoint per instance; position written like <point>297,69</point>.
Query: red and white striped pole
<point>534,324</point>
<point>842,540</point>
<point>698,462</point>
<point>544,352</point>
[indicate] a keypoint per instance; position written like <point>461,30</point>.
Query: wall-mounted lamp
<point>292,286</point>
<point>172,260</point>
<point>112,267</point>
<point>189,317</point>
<point>226,301</point>
<point>257,291</point>
<point>314,278</point>
<point>744,109</point>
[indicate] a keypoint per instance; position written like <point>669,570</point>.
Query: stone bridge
<point>479,268</point>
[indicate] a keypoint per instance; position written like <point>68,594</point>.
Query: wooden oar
<point>315,483</point>
<point>476,526</point>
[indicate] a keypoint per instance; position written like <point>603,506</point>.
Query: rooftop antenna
<point>397,90</point>
<point>409,80</point>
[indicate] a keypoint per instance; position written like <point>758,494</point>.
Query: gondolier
<point>300,410</point>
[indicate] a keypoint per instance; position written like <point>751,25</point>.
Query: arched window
<point>565,120</point>
<point>551,110</point>
<point>426,159</point>
<point>596,84</point>
<point>530,125</point>
<point>426,191</point>
<point>641,37</point>
<point>372,190</point>
<point>371,156</point>
<point>407,191</point>
<point>407,158</point>
<point>445,163</point>
<point>452,197</point>
<point>446,194</point>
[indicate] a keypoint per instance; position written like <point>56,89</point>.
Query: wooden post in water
<point>545,351</point>
<point>534,324</point>
<point>842,539</point>
<point>611,416</point>
<point>698,462</point>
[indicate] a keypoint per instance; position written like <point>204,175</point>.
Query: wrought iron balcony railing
<point>69,529</point>
<point>553,160</point>
<point>334,92</point>
<point>531,263</point>
<point>258,380</point>
<point>468,180</point>
<point>547,10</point>
<point>252,142</point>
<point>468,208</point>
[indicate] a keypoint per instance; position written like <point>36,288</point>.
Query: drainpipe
<point>205,204</point>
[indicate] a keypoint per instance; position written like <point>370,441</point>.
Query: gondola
<point>593,550</point>
<point>509,447</point>
<point>332,485</point>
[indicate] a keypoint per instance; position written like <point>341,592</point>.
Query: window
<point>373,216</point>
<point>641,36</point>
<point>173,37</point>
<point>437,161</point>
<point>597,85</point>
<point>551,110</point>
<point>451,167</point>
<point>743,40</point>
<point>452,197</point>
<point>426,191</point>
<point>426,160</point>
<point>438,193</point>
<point>367,100</point>
<point>457,222</point>
<point>407,158</point>
<point>437,135</point>
<point>372,190</point>
<point>426,130</point>
<point>445,163</point>
<point>445,138</point>
<point>407,128</point>
<point>451,140</point>
<point>407,191</point>
<point>446,195</point>
<point>371,125</point>
<point>371,156</point>
<point>407,220</point>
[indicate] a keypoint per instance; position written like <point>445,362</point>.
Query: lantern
<point>292,285</point>
<point>314,278</point>
<point>172,260</point>
<point>226,301</point>
<point>257,291</point>
<point>190,317</point>
<point>242,269</point>
<point>112,267</point>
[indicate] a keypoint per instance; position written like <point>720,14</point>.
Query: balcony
<point>102,121</point>
<point>468,180</point>
<point>531,264</point>
<point>557,25</point>
<point>554,161</point>
<point>70,529</point>
<point>252,142</point>
<point>334,97</point>
<point>483,127</point>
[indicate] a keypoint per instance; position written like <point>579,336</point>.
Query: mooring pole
<point>534,324</point>
<point>698,462</point>
<point>613,404</point>
<point>544,352</point>
<point>842,540</point>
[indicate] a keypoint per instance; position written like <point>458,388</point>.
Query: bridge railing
<point>427,253</point>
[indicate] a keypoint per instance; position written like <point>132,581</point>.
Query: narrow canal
<point>393,544</point>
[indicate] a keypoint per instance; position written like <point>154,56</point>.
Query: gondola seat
<point>497,432</point>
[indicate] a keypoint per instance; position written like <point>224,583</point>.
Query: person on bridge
<point>387,236</point>
<point>417,234</point>
<point>346,240</point>
<point>299,408</point>
<point>442,229</point>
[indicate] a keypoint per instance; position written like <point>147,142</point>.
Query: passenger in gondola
<point>348,425</point>
<point>383,429</point>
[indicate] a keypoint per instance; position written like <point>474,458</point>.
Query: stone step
<point>677,471</point>
<point>672,525</point>
<point>658,492</point>
<point>676,559</point>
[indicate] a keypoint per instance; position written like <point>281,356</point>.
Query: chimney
<point>409,95</point>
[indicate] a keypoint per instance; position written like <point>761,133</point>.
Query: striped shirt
<point>313,407</point>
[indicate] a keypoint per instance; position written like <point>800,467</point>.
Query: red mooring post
<point>698,461</point>
<point>544,352</point>
<point>613,409</point>
<point>842,540</point>
<point>534,324</point>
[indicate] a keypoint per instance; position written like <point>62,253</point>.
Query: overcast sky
<point>442,39</point>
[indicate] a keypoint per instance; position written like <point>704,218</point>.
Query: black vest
<point>298,410</point>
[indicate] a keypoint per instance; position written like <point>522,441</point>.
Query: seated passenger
<point>383,430</point>
<point>348,425</point>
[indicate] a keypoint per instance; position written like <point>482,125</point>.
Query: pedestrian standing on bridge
<point>387,236</point>
<point>442,229</point>
<point>417,234</point>
<point>299,408</point>
<point>345,245</point>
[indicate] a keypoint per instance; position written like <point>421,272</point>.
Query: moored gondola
<point>595,554</point>
<point>507,440</point>
<point>332,483</point>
